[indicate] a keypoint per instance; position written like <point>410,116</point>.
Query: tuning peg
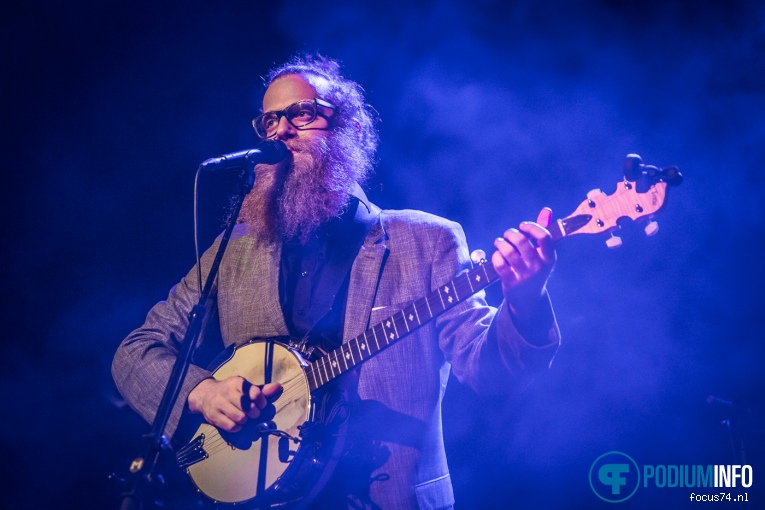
<point>594,193</point>
<point>633,167</point>
<point>651,228</point>
<point>478,256</point>
<point>614,241</point>
<point>672,175</point>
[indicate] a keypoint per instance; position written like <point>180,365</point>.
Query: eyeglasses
<point>298,114</point>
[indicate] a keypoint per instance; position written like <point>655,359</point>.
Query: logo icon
<point>614,477</point>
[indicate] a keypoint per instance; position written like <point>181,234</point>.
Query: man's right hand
<point>229,403</point>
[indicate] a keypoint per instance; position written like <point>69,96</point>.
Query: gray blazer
<point>406,255</point>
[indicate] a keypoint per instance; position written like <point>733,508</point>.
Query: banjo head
<point>240,466</point>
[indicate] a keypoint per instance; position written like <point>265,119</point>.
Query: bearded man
<point>311,258</point>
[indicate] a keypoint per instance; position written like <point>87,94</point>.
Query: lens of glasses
<point>265,123</point>
<point>301,113</point>
<point>298,114</point>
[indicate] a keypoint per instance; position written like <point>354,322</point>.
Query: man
<point>312,255</point>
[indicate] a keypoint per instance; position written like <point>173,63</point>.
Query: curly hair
<point>354,123</point>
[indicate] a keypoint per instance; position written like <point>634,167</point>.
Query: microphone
<point>268,152</point>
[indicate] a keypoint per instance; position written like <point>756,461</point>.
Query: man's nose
<point>285,130</point>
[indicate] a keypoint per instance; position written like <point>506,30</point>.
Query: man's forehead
<point>290,88</point>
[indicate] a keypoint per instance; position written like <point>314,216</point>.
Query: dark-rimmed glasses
<point>299,114</point>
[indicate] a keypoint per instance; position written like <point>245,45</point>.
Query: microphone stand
<point>142,468</point>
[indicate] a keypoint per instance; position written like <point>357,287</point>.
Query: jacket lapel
<point>365,276</point>
<point>270,260</point>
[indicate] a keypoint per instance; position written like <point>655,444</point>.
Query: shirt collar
<point>359,193</point>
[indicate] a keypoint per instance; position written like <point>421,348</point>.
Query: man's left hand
<point>524,260</point>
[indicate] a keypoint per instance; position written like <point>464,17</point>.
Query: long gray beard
<point>293,198</point>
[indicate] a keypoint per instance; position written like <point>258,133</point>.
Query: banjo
<point>284,458</point>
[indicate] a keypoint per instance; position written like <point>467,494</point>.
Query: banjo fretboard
<point>392,329</point>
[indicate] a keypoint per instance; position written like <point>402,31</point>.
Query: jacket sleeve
<point>144,360</point>
<point>487,350</point>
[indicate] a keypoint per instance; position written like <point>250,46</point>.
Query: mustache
<point>320,147</point>
<point>294,147</point>
<point>297,145</point>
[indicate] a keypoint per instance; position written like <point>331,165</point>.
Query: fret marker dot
<point>334,363</point>
<point>387,324</point>
<point>450,299</point>
<point>478,278</point>
<point>347,355</point>
<point>363,346</point>
<point>392,336</point>
<point>411,317</point>
<point>446,289</point>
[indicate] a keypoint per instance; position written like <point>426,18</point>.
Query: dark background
<point>489,111</point>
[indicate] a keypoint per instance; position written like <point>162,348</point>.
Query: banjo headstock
<point>638,196</point>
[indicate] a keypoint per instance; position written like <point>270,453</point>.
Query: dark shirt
<point>314,277</point>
